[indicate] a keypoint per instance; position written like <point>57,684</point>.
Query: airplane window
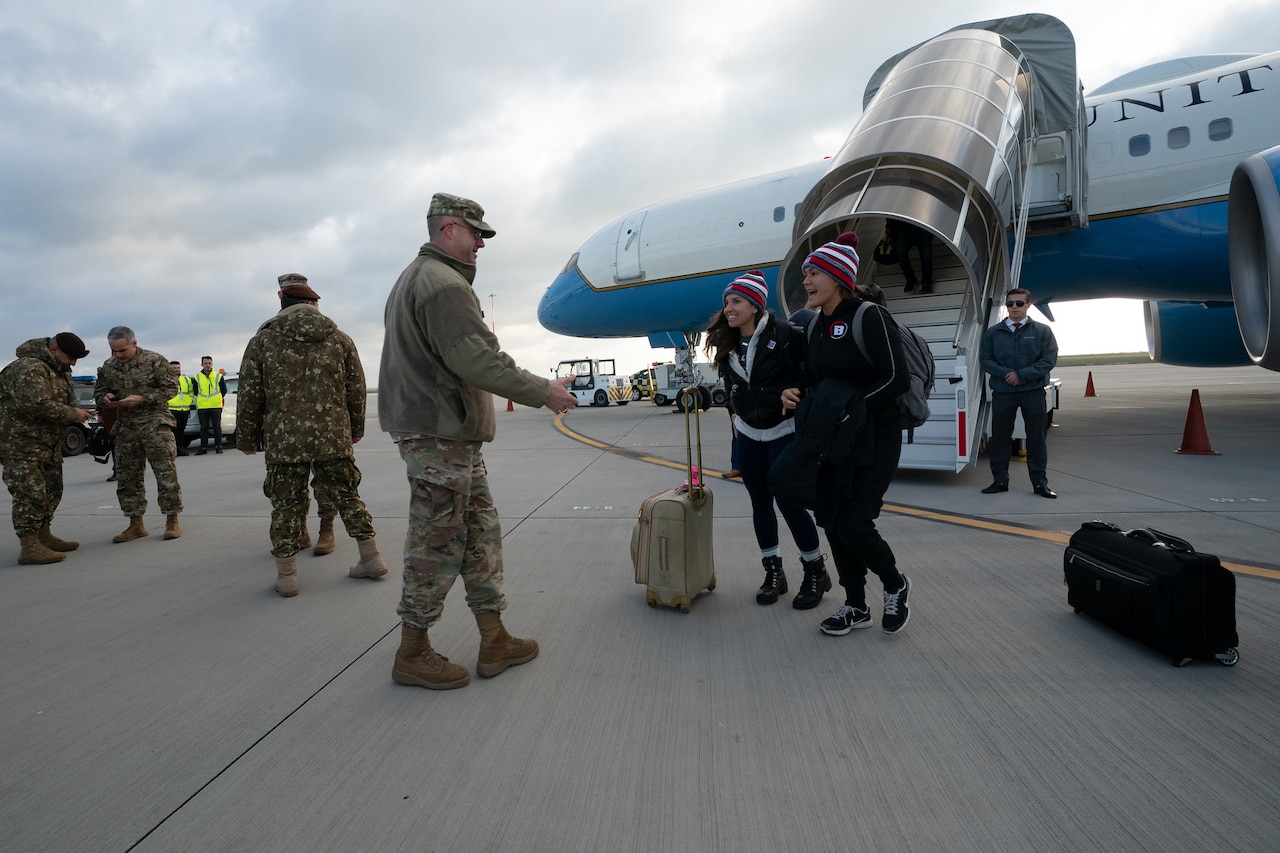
<point>779,214</point>
<point>1139,146</point>
<point>1220,129</point>
<point>1179,137</point>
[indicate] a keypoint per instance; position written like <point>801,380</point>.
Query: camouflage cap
<point>295,284</point>
<point>443,204</point>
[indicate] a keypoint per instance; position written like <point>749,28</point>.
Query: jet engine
<point>1194,334</point>
<point>1253,245</point>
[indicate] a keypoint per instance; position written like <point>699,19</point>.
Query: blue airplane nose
<point>562,308</point>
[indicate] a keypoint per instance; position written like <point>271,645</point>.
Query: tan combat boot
<point>35,553</point>
<point>287,575</point>
<point>370,565</point>
<point>135,530</point>
<point>171,528</point>
<point>324,542</point>
<point>498,649</point>
<point>53,543</point>
<point>418,665</point>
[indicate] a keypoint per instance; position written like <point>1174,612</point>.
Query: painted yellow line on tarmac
<point>928,514</point>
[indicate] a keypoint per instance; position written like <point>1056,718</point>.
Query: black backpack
<point>100,444</point>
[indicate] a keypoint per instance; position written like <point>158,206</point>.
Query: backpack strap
<point>856,328</point>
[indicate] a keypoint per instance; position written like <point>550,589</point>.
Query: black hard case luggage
<point>1154,588</point>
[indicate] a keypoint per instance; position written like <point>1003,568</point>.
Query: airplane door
<point>628,260</point>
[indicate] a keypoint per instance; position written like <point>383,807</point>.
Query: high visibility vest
<point>208,390</point>
<point>185,397</point>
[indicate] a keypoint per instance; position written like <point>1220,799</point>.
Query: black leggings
<point>755,458</point>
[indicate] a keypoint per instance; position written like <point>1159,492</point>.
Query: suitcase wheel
<point>711,585</point>
<point>1228,657</point>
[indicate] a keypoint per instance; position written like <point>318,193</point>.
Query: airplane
<point>1161,185</point>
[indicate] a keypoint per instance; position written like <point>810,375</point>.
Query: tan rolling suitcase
<point>671,543</point>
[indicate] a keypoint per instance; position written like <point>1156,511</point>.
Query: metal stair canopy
<point>948,142</point>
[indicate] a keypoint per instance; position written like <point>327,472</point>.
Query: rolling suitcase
<point>1154,588</point>
<point>671,542</point>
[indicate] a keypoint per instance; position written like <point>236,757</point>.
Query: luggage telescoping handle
<point>690,397</point>
<point>1160,540</point>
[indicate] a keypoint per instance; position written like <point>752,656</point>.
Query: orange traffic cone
<point>511,407</point>
<point>1088,386</point>
<point>1195,438</point>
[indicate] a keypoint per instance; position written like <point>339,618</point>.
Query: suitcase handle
<point>1160,540</point>
<point>697,488</point>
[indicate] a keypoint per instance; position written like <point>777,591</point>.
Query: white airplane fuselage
<point>1160,158</point>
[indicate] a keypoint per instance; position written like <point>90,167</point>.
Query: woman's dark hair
<point>723,338</point>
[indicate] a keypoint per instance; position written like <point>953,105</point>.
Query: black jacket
<point>832,353</point>
<point>774,363</point>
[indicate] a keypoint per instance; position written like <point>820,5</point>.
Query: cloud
<point>161,165</point>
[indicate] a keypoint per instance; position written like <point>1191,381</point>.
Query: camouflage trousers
<point>36,487</point>
<point>453,530</point>
<point>154,445</point>
<point>286,487</point>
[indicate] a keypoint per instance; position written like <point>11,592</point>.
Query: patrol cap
<point>443,204</point>
<point>295,284</point>
<point>70,344</point>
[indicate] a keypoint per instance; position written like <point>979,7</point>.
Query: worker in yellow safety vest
<point>180,406</point>
<point>210,388</point>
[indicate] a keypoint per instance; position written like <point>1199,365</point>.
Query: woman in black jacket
<point>831,352</point>
<point>758,357</point>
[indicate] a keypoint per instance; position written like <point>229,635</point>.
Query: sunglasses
<point>1015,303</point>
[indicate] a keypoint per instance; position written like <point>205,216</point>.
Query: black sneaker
<point>896,613</point>
<point>845,620</point>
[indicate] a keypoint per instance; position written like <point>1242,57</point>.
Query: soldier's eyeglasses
<point>1015,303</point>
<point>475,235</point>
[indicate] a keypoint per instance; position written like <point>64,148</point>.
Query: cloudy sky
<point>162,163</point>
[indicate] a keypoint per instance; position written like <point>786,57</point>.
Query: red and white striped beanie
<point>750,286</point>
<point>838,259</point>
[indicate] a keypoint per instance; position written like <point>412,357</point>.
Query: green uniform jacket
<point>147,374</point>
<point>302,391</point>
<point>36,404</point>
<point>440,362</point>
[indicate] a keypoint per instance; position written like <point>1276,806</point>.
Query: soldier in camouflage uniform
<point>137,385</point>
<point>440,367</point>
<point>36,405</point>
<point>302,399</point>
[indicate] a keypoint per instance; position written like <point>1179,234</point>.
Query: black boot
<point>775,581</point>
<point>816,582</point>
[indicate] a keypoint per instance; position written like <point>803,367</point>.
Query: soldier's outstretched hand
<point>559,398</point>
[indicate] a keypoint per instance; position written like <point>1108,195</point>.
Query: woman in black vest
<point>830,280</point>
<point>758,357</point>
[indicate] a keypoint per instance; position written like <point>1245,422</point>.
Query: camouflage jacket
<point>147,374</point>
<point>440,362</point>
<point>302,390</point>
<point>36,404</point>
